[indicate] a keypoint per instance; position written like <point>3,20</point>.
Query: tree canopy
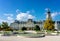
<point>48,25</point>
<point>5,25</point>
<point>37,28</point>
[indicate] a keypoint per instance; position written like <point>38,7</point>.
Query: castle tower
<point>48,14</point>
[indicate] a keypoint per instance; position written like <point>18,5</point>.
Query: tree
<point>48,25</point>
<point>5,25</point>
<point>24,28</point>
<point>0,27</point>
<point>37,28</point>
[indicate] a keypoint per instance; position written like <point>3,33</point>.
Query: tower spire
<point>48,14</point>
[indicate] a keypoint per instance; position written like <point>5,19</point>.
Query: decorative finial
<point>48,14</point>
<point>47,9</point>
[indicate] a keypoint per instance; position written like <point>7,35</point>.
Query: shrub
<point>37,28</point>
<point>24,28</point>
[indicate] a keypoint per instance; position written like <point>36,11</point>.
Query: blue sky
<point>11,10</point>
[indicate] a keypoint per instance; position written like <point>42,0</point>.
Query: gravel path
<point>20,38</point>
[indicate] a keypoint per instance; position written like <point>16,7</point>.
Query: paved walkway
<point>20,38</point>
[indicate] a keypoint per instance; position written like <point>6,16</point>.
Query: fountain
<point>30,32</point>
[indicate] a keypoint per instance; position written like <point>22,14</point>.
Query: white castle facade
<point>30,24</point>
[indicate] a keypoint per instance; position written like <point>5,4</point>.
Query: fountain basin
<point>30,32</point>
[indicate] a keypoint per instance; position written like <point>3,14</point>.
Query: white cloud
<point>6,14</point>
<point>24,16</point>
<point>20,16</point>
<point>54,14</point>
<point>9,18</point>
<point>2,20</point>
<point>9,21</point>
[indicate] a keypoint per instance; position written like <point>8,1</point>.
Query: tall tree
<point>48,25</point>
<point>37,28</point>
<point>5,25</point>
<point>0,26</point>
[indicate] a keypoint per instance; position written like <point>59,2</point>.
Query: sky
<point>22,10</point>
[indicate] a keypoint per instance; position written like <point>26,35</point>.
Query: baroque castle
<point>30,24</point>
